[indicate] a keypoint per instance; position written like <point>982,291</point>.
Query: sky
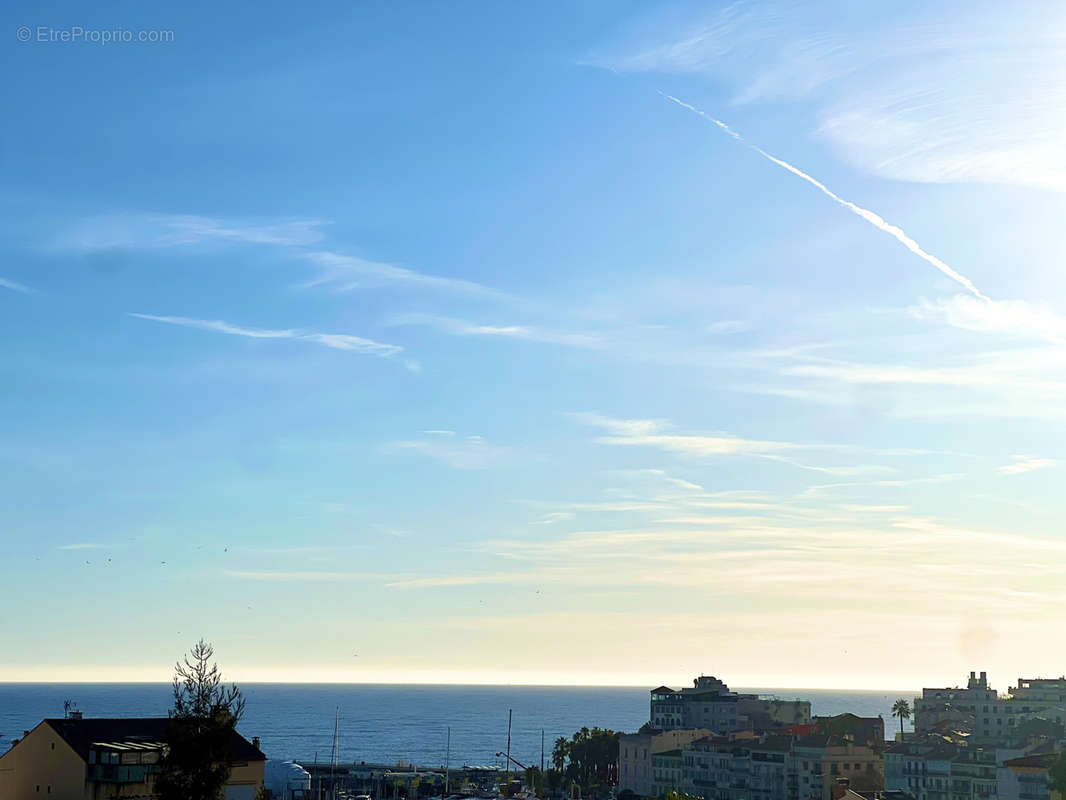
<point>606,343</point>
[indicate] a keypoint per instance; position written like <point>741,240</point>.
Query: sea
<point>410,724</point>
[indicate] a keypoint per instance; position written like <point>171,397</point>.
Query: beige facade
<point>59,760</point>
<point>635,751</point>
<point>42,764</point>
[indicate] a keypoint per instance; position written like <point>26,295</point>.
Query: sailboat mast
<point>447,759</point>
<point>507,784</point>
<point>541,792</point>
<point>333,757</point>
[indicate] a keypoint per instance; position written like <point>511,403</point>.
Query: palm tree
<point>902,709</point>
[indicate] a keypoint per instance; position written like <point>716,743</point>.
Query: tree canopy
<point>589,759</point>
<point>200,733</point>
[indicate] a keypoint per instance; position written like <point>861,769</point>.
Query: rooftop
<point>131,733</point>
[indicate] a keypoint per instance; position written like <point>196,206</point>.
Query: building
<point>666,771</point>
<point>973,774</point>
<point>1026,778</point>
<point>1040,692</point>
<point>708,704</point>
<point>991,719</point>
<point>977,709</point>
<point>636,769</point>
<point>866,731</point>
<point>821,760</point>
<point>771,713</point>
<point>921,766</point>
<point>805,765</point>
<point>98,759</point>
<point>934,767</point>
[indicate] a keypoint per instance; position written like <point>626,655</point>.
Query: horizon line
<point>447,684</point>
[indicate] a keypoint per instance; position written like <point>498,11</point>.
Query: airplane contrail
<point>874,219</point>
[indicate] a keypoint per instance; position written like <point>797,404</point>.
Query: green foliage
<point>589,759</point>
<point>902,709</point>
<point>1056,774</point>
<point>534,779</point>
<point>196,765</point>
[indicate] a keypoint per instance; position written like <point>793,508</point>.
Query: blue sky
<point>397,342</point>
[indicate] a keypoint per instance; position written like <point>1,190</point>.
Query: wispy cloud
<point>923,95</point>
<point>344,273</point>
<point>156,231</point>
<point>873,218</point>
<point>1011,317</point>
<point>729,326</point>
<point>554,517</point>
<point>297,238</point>
<point>304,576</point>
<point>15,286</point>
<point>458,452</point>
<point>335,341</point>
<point>458,327</point>
<point>1022,463</point>
<point>653,433</point>
<point>82,546</point>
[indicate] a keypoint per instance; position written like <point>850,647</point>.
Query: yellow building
<point>106,759</point>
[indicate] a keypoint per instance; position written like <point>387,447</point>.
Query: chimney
<point>255,742</point>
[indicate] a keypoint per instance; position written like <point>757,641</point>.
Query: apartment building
<point>707,704</point>
<point>781,766</point>
<point>764,714</point>
<point>1027,778</point>
<point>921,766</point>
<point>666,770</point>
<point>991,719</point>
<point>636,768</point>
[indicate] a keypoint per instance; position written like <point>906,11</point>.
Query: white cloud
<point>1012,317</point>
<point>871,217</point>
<point>1022,463</point>
<point>15,286</point>
<point>335,341</point>
<point>620,427</point>
<point>467,452</point>
<point>932,96</point>
<point>650,433</point>
<point>344,273</point>
<point>554,517</point>
<point>527,333</point>
<point>156,231</point>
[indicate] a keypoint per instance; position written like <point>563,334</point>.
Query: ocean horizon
<point>408,723</point>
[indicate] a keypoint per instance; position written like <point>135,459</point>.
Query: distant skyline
<point>610,346</point>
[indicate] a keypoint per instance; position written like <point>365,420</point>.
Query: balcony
<point>116,773</point>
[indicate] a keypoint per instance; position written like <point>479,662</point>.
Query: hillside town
<point>704,741</point>
<point>969,743</point>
